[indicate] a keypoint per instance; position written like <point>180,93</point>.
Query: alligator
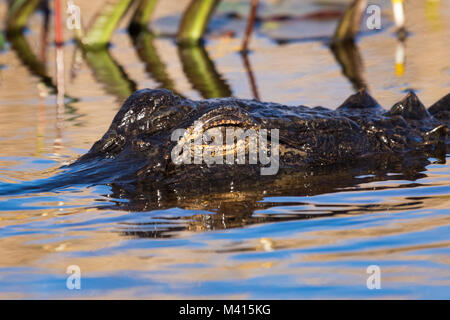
<point>320,151</point>
<point>135,155</point>
<point>138,146</point>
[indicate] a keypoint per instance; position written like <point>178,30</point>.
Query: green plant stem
<point>20,45</point>
<point>349,24</point>
<point>142,14</point>
<point>2,41</point>
<point>100,33</point>
<point>107,71</point>
<point>146,50</point>
<point>18,13</point>
<point>349,58</point>
<point>201,73</point>
<point>195,20</point>
<point>36,67</point>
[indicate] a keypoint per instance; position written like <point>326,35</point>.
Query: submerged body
<point>138,147</point>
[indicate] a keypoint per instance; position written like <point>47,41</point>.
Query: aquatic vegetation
<point>142,15</point>
<point>25,53</point>
<point>202,74</point>
<point>109,73</point>
<point>99,34</point>
<point>147,52</point>
<point>349,23</point>
<point>18,13</point>
<point>195,20</point>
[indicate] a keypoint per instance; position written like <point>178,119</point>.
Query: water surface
<point>310,238</point>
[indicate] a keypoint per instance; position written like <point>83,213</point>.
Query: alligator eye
<point>225,117</point>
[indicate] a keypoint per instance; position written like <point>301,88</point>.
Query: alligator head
<point>154,125</point>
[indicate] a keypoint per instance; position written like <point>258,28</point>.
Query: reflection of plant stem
<point>60,105</point>
<point>146,50</point>
<point>400,58</point>
<point>348,56</point>
<point>432,13</point>
<point>20,45</point>
<point>142,15</point>
<point>251,77</point>
<point>23,50</point>
<point>195,20</point>
<point>18,13</point>
<point>44,34</point>
<point>94,48</point>
<point>200,71</point>
<point>60,85</point>
<point>107,71</point>
<point>2,42</point>
<point>77,60</point>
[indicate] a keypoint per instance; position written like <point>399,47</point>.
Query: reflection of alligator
<point>222,206</point>
<point>138,145</point>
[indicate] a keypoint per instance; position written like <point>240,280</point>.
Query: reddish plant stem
<point>58,24</point>
<point>250,24</point>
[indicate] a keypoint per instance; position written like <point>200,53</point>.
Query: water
<point>311,238</point>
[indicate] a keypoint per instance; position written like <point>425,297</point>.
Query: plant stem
<point>250,25</point>
<point>107,71</point>
<point>18,13</point>
<point>350,22</point>
<point>195,20</point>
<point>146,50</point>
<point>142,14</point>
<point>201,73</point>
<point>104,25</point>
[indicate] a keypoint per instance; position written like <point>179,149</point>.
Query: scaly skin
<point>137,146</point>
